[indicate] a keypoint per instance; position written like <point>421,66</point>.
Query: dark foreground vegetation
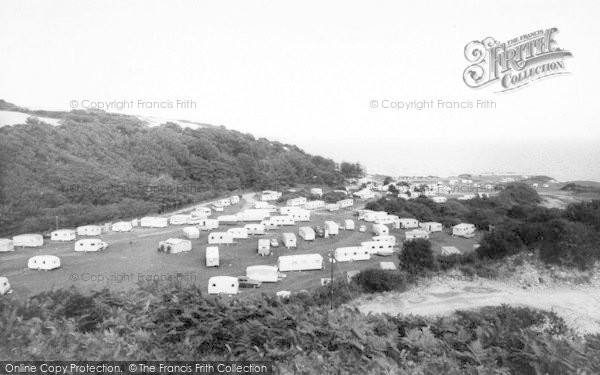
<point>300,335</point>
<point>513,221</point>
<point>100,167</point>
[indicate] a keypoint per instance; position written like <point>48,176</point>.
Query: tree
<point>416,256</point>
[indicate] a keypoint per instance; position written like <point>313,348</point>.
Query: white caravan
<point>316,191</point>
<point>238,233</point>
<point>344,203</point>
<point>332,207</point>
<point>332,228</point>
<point>90,244</point>
<point>179,219</point>
<point>208,224</point>
<point>227,219</point>
<point>380,230</point>
<point>371,216</point>
<point>63,235</point>
<point>6,245</point>
<point>302,262</point>
<point>122,226</point>
<point>349,224</point>
<point>301,215</point>
<point>234,199</point>
<point>223,202</point>
<point>255,229</point>
<point>212,256</point>
<point>223,285</point>
<point>264,247</point>
<point>43,262</point>
<point>191,233</point>
<point>281,220</point>
<point>313,205</point>
<point>431,226</point>
<point>382,248</point>
<point>416,233</point>
<point>253,214</point>
<point>89,230</point>
<point>464,230</point>
<point>202,211</point>
<point>408,223</point>
<point>386,220</point>
<point>4,286</point>
<point>390,239</point>
<point>296,201</point>
<point>352,253</point>
<point>266,274</point>
<point>28,240</point>
<point>223,238</point>
<point>174,246</point>
<point>287,210</point>
<point>289,240</point>
<point>307,233</point>
<point>153,222</point>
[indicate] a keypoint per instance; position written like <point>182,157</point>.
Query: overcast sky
<point>305,72</point>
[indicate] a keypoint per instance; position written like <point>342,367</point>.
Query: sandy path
<point>579,306</point>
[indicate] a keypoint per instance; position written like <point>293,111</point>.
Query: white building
<point>90,244</point>
<point>63,235</point>
<point>147,222</point>
<point>307,233</point>
<point>463,230</point>
<point>431,226</point>
<point>28,240</point>
<point>351,254</point>
<point>223,238</point>
<point>212,256</point>
<point>223,285</point>
<point>174,245</point>
<point>416,233</point>
<point>43,262</point>
<point>301,262</point>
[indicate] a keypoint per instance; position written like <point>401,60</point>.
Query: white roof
<point>64,231</point>
<point>463,225</point>
<point>175,241</point>
<point>449,250</point>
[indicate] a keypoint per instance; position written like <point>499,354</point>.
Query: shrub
<point>374,280</point>
<point>416,256</point>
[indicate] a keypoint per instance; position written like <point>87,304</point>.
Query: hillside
<point>100,166</point>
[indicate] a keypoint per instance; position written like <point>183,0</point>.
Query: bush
<point>374,280</point>
<point>416,256</point>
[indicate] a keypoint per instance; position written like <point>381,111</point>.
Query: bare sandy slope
<point>578,305</point>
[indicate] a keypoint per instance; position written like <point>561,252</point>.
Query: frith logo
<point>515,63</point>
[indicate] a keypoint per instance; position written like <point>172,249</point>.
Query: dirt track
<point>579,306</point>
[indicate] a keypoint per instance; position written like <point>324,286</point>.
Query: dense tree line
<point>514,221</point>
<point>100,166</point>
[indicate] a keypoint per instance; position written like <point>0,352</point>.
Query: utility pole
<point>331,260</point>
<point>56,220</point>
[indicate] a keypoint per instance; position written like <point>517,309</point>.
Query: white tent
<point>307,233</point>
<point>212,256</point>
<point>191,232</point>
<point>301,262</point>
<point>122,226</point>
<point>28,240</point>
<point>6,245</point>
<point>351,253</point>
<point>90,230</point>
<point>4,286</point>
<point>63,235</point>
<point>174,245</point>
<point>289,240</point>
<point>223,285</point>
<point>90,244</point>
<point>267,274</point>
<point>43,262</point>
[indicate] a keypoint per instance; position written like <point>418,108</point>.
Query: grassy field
<point>133,257</point>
